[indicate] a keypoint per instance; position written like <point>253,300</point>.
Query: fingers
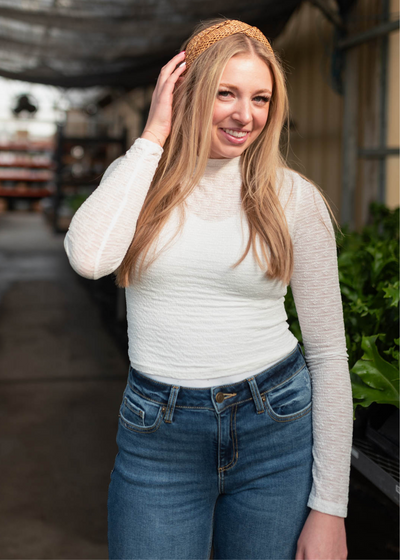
<point>178,71</point>
<point>180,65</point>
<point>159,119</point>
<point>171,66</point>
<point>171,72</point>
<point>176,60</point>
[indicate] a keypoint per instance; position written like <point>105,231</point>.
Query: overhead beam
<point>372,33</point>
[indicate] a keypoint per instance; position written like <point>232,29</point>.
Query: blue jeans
<point>228,466</point>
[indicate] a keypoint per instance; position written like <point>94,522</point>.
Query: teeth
<point>235,133</point>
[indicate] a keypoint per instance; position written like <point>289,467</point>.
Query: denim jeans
<point>227,466</point>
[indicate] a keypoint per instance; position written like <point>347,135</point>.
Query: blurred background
<point>76,78</point>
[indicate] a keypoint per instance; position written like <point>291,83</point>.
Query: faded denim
<point>228,466</point>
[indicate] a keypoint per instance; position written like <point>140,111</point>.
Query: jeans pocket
<point>291,399</point>
<point>139,414</point>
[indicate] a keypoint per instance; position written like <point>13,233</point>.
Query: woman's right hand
<point>158,125</point>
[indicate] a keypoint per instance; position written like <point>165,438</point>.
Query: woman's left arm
<point>316,292</point>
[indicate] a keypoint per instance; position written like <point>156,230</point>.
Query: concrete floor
<point>61,380</point>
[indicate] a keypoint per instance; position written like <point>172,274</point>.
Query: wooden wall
<point>315,108</point>
<point>317,143</point>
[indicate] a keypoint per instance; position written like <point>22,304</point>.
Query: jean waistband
<point>218,397</point>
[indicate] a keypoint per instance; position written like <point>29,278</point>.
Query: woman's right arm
<point>102,229</point>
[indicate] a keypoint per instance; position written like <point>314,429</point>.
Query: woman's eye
<point>262,99</point>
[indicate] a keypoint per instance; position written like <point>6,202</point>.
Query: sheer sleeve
<point>316,292</point>
<point>102,229</point>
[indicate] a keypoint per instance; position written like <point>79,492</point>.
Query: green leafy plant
<point>373,378</point>
<point>368,274</point>
<point>75,201</point>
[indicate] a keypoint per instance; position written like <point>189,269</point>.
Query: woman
<point>217,443</point>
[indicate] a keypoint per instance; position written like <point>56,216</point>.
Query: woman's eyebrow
<point>235,88</point>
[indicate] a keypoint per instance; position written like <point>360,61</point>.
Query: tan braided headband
<point>211,35</point>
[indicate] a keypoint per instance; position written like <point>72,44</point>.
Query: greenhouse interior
<point>76,82</point>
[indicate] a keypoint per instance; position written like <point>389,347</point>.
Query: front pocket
<point>139,414</point>
<point>132,413</point>
<point>292,399</point>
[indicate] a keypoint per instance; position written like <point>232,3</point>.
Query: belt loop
<point>173,395</point>
<point>256,395</point>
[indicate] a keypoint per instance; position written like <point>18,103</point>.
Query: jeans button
<point>219,397</point>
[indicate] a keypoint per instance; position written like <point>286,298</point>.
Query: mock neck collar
<point>223,165</point>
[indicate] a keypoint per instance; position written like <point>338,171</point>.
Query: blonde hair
<point>185,156</point>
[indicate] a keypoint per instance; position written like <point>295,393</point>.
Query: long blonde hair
<point>185,156</point>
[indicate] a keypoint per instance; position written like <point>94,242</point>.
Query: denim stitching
<point>137,412</point>
<point>210,408</point>
<point>199,407</point>
<point>171,404</point>
<point>165,404</point>
<point>226,466</point>
<point>219,441</point>
<point>284,381</point>
<point>144,430</point>
<point>289,418</point>
<point>256,396</point>
<point>235,446</point>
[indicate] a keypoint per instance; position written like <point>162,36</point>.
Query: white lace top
<point>194,318</point>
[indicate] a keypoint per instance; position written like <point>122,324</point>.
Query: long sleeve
<point>316,292</point>
<point>102,229</point>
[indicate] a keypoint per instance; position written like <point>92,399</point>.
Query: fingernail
<point>182,64</point>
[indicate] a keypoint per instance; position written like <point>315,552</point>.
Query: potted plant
<point>368,273</point>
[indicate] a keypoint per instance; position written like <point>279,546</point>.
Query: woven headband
<point>211,35</point>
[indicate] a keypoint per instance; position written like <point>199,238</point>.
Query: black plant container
<point>379,423</point>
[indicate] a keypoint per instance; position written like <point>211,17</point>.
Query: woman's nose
<point>242,112</point>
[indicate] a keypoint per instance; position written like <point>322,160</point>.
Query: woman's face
<point>241,107</point>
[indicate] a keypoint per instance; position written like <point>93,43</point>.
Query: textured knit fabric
<point>193,316</point>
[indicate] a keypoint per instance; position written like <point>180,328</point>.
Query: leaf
<point>360,308</point>
<point>373,378</point>
<point>392,292</point>
<point>393,351</point>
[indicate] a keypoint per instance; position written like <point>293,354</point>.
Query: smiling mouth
<point>236,133</point>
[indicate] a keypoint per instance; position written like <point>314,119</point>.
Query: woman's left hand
<point>323,538</point>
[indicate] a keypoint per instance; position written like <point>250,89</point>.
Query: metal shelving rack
<point>375,450</point>
<point>88,182</point>
<point>111,300</point>
<point>383,471</point>
<point>26,170</point>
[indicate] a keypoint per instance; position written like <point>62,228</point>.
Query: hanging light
<point>25,103</point>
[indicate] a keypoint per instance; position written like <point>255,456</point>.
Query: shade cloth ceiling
<point>82,43</point>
